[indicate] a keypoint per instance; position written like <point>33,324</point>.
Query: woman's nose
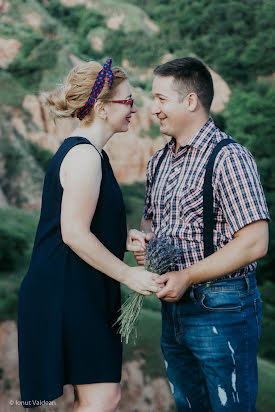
<point>133,109</point>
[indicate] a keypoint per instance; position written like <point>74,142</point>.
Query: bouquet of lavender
<point>160,256</point>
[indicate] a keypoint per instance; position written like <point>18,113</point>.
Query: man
<point>211,307</point>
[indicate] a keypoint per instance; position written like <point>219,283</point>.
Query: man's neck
<point>190,131</point>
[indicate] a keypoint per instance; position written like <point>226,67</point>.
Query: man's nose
<point>155,109</point>
<point>133,109</point>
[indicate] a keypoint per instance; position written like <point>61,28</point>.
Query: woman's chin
<point>124,128</point>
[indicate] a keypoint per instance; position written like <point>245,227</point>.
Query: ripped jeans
<point>209,344</point>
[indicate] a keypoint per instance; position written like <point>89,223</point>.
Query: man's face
<point>168,106</point>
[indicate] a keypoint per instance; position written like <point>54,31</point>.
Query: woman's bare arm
<point>80,176</point>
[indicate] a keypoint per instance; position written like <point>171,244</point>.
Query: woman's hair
<point>69,97</point>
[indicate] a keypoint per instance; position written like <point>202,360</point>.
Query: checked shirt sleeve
<point>240,192</point>
<point>148,210</point>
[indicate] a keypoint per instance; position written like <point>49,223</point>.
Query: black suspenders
<point>208,212</point>
<point>208,209</point>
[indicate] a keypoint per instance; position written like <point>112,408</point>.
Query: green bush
<point>12,93</point>
<point>238,42</point>
<point>133,196</point>
<point>139,47</point>
<point>42,156</point>
<point>250,121</point>
<point>266,347</point>
<point>12,158</point>
<point>13,166</point>
<point>17,231</point>
<point>8,303</point>
<point>28,67</point>
<point>80,21</point>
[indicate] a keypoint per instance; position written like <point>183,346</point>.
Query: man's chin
<point>163,130</point>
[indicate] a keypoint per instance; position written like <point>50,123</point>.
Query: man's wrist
<point>188,277</point>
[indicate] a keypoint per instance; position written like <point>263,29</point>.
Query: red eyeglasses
<point>129,101</point>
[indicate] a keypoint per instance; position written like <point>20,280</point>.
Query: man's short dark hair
<point>190,75</point>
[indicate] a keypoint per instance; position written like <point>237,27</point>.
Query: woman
<point>70,297</point>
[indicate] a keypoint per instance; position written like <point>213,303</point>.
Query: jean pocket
<point>222,301</point>
<point>258,315</point>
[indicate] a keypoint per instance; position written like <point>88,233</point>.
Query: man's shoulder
<point>236,150</point>
<point>157,155</point>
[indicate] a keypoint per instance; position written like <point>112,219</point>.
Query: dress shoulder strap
<point>88,141</point>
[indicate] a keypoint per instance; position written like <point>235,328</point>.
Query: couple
<point>70,297</point>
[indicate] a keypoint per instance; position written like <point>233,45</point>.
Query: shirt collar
<point>201,139</point>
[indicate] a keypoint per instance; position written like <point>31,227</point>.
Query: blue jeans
<point>209,343</point>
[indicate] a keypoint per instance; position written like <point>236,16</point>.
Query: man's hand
<point>176,284</point>
<point>136,241</point>
<point>140,254</point>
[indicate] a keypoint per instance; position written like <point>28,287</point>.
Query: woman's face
<point>119,114</point>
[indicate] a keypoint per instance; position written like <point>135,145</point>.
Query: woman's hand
<point>135,241</point>
<point>142,281</point>
<point>140,254</point>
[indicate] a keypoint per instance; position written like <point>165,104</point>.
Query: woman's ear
<point>100,110</point>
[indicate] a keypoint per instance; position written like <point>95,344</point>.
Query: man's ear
<point>192,101</point>
<point>100,110</point>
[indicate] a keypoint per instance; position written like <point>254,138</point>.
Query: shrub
<point>42,156</point>
<point>12,93</point>
<point>142,49</point>
<point>17,231</point>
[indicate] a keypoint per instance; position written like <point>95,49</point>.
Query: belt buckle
<point>208,284</point>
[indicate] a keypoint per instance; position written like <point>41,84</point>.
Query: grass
<point>266,399</point>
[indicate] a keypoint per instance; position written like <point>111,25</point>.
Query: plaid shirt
<point>174,201</point>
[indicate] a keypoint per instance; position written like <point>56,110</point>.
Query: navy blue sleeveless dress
<point>66,307</point>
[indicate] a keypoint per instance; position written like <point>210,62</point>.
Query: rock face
<point>9,49</point>
<point>139,393</point>
<point>33,19</point>
<point>129,152</point>
<point>222,93</point>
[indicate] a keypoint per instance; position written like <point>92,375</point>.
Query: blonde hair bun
<point>69,97</point>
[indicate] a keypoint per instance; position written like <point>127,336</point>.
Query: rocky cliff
<point>23,117</point>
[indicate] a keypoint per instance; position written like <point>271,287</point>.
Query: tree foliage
<point>250,120</point>
<point>235,38</point>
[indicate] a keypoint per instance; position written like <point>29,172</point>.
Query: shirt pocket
<point>189,204</point>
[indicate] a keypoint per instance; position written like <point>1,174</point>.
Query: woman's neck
<point>96,134</point>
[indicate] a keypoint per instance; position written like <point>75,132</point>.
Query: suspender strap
<point>208,202</point>
<point>208,208</point>
<point>159,162</point>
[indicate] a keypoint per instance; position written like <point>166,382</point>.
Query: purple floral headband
<point>97,88</point>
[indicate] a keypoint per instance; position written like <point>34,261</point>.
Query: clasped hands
<point>173,284</point>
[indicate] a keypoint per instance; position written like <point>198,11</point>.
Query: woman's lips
<point>128,119</point>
